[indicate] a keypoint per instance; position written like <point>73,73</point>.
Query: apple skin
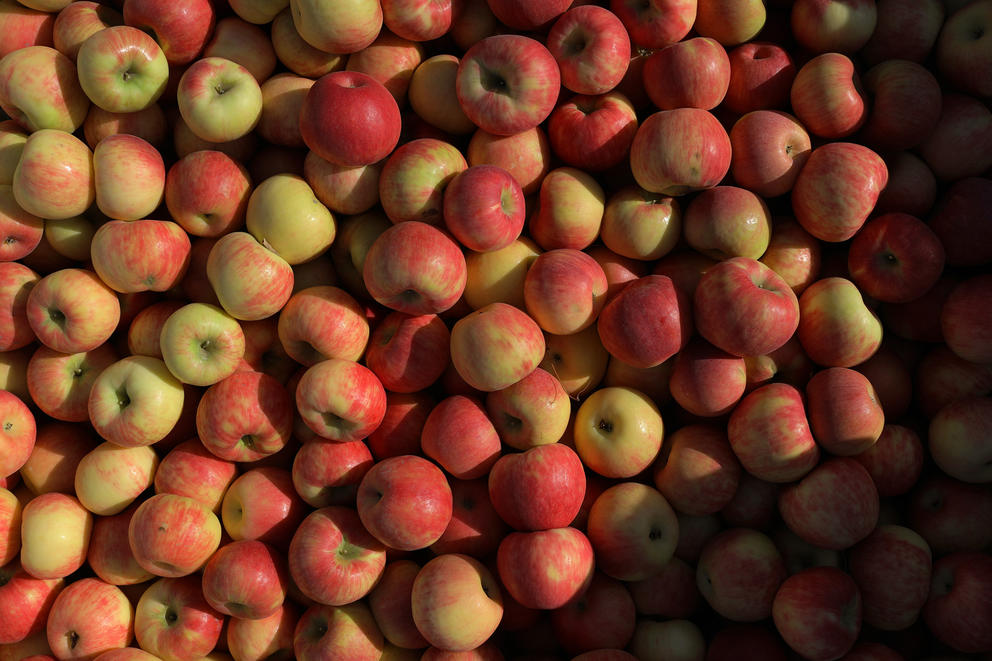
<point>657,23</point>
<point>964,319</point>
<point>262,504</point>
<point>281,210</point>
<point>322,322</point>
<point>340,399</point>
<point>484,208</point>
<point>646,340</point>
<point>391,606</point>
<point>618,431</point>
<point>951,515</point>
<point>346,28</point>
<point>837,189</point>
<point>827,96</point>
<point>844,26</point>
<point>207,193</point>
<point>564,291</point>
<point>405,502</point>
<point>459,436</point>
<point>693,73</point>
<point>55,534</point>
<point>20,430</point>
<point>327,472</point>
<point>24,26</point>
<point>904,30</point>
<point>569,210</point>
<point>189,469</point>
<point>338,632</point>
<point>333,559</point>
<point>446,590</point>
<point>844,412</point>
<point>633,530</point>
<point>245,43</point>
<point>770,434</point>
<point>728,221</point>
<point>140,255</point>
<point>533,411</point>
<point>109,554</point>
<point>496,346</point>
<point>27,600</point>
<point>607,603</point>
<point>895,258</point>
<point>39,89</point>
<point>834,506</point>
<point>22,231</point>
<point>525,155</point>
<point>892,567</point>
<point>761,75</point>
<point>957,610</point>
<point>414,180</point>
<point>261,639</point>
<point>349,118</point>
<point>245,579</point>
<point>475,528</point>
<point>769,148</point>
<point>538,489</point>
<point>954,439</point>
<point>54,177</point>
<point>657,154</point>
<point>219,100</point>
<point>109,478</point>
<point>893,86</point>
<point>738,573</point>
<point>707,381</point>
<point>592,49</point>
<point>265,293</point>
<point>727,642</point>
<point>836,327</point>
<point>895,460</point>
<point>52,463</point>
<point>507,83</point>
<point>957,221</point>
<point>168,514</point>
<point>89,617</point>
<point>122,69</point>
<point>818,612</point>
<point>245,416</point>
<point>16,282</point>
<point>960,59</point>
<point>545,569</point>
<point>958,146</point>
<point>593,132</point>
<point>698,473</point>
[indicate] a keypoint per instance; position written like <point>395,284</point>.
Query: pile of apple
<point>496,329</point>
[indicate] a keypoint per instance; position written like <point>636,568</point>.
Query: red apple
<point>761,75</point>
<point>340,399</point>
<point>844,412</point>
<point>484,208</point>
<point>181,28</point>
<point>538,489</point>
<point>262,504</point>
<point>699,472</point>
<point>592,49</point>
<point>692,73</point>
<point>409,352</point>
<point>603,618</point>
<point>593,132</point>
<point>328,473</point>
<point>827,96</point>
<point>658,152</point>
<point>245,579</point>
<point>89,617</point>
<point>892,567</point>
<point>656,23</point>
<point>957,610</point>
<point>545,569</point>
<point>769,148</point>
<point>458,435</point>
<point>818,612</point>
<point>739,572</point>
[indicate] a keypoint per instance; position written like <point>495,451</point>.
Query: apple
<point>261,639</point>
<point>109,554</point>
<point>564,291</point>
<point>545,569</point>
<point>10,526</point>
<point>827,96</point>
<point>16,282</point>
<point>836,326</point>
<point>245,579</point>
<point>122,69</point>
<point>262,504</point>
<point>483,208</point>
<point>761,75</point>
<point>658,152</point>
<point>738,573</point>
<point>219,99</point>
<point>475,528</point>
<point>281,210</point>
<point>338,632</point>
<point>526,155</point>
<point>157,523</point>
<point>769,432</point>
<point>956,222</point>
<point>904,30</point>
<point>956,148</point>
<point>12,141</point>
<point>22,231</point>
<point>892,567</point>
<point>173,620</point>
<point>89,617</point>
<point>837,189</point>
<point>893,86</point>
<point>645,340</point>
<point>570,210</point>
<point>343,189</point>
<point>27,600</point>
<point>54,178</point>
<point>415,268</point>
<point>333,559</point>
<point>13,372</point>
<point>507,83</point>
<point>144,330</point>
<point>956,610</point>
<point>110,477</point>
<point>405,502</point>
<point>391,605</point>
<point>72,311</point>
<point>945,511</point>
<point>955,436</point>
<point>229,261</point>
<point>328,472</point>
<point>843,26</point>
<point>633,530</point>
<point>726,643</point>
<point>392,58</point>
<point>728,221</point>
<point>834,506</point>
<point>459,436</point>
<point>128,177</point>
<point>593,132</point>
<point>698,473</point>
<point>245,416</point>
<point>960,59</point>
<point>19,433</point>
<point>346,28</point>
<point>243,42</point>
<point>140,255</point>
<point>189,469</point>
<point>449,588</point>
<point>206,192</point>
<point>322,322</point>
<point>602,618</point>
<point>55,534</point>
<point>24,26</point>
<point>52,463</point>
<point>292,50</point>
<point>538,489</point>
<point>692,73</point>
<point>39,89</point>
<point>414,177</point>
<point>672,639</point>
<point>844,411</point>
<point>618,431</point>
<point>963,319</point>
<point>896,258</point>
<point>769,148</point>
<point>135,401</point>
<point>181,28</point>
<point>201,344</point>
<point>480,348</point>
<point>349,118</point>
<point>340,399</point>
<point>652,381</point>
<point>431,96</point>
<point>592,49</point>
<point>894,461</point>
<point>818,612</point>
<point>656,23</point>
<point>531,412</point>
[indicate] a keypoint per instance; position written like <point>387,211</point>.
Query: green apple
<point>219,100</point>
<point>285,216</point>
<point>122,69</point>
<point>201,344</point>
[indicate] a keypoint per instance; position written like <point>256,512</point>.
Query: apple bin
<point>570,330</point>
